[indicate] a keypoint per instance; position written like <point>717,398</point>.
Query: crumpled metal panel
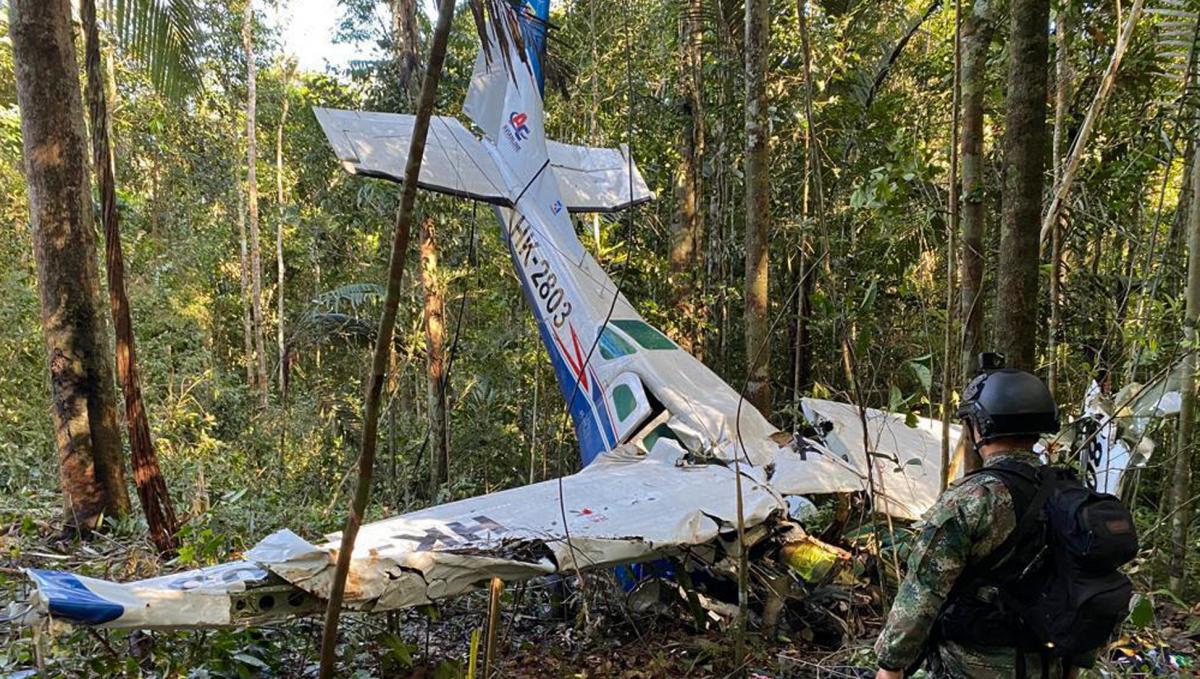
<point>905,462</point>
<point>632,508</point>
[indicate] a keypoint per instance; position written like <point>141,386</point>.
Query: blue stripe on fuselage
<point>69,599</point>
<point>592,426</point>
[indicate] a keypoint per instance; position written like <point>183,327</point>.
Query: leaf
<point>398,650</point>
<point>868,301</point>
<point>250,660</point>
<point>920,368</point>
<point>354,294</point>
<point>164,37</point>
<point>1141,615</point>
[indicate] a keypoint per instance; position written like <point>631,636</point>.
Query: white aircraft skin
<point>658,431</point>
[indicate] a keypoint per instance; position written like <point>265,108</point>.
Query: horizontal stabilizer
<point>457,163</point>
<point>597,180</point>
<point>376,145</point>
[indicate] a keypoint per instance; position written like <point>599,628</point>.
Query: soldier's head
<point>1007,407</point>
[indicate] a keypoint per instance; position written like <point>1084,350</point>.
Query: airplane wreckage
<point>663,439</point>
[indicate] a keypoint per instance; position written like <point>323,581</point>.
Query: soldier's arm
<point>938,558</point>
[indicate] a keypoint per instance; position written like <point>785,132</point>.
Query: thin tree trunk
<point>383,339</point>
<point>280,267</point>
<point>813,205</point>
<point>1071,166</point>
<point>256,310</point>
<point>1175,234</point>
<point>977,29</point>
<point>435,359</point>
<point>1024,160</point>
<point>896,51</point>
<point>408,45</point>
<point>1185,445</point>
<point>952,235</point>
<point>1062,101</point>
<point>688,227</point>
<point>758,206</point>
<point>83,396</point>
<point>244,277</point>
<point>151,487</point>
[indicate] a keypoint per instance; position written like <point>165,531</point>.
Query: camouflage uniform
<point>971,519</point>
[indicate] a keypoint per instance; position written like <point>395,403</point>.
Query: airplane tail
<point>624,380</point>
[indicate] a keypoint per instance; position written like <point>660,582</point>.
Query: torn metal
<point>664,439</point>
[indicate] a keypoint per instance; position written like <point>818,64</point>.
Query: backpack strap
<point>1029,488</point>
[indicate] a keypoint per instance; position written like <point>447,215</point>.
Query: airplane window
<point>624,400</point>
<point>613,345</point>
<point>659,432</point>
<point>643,334</point>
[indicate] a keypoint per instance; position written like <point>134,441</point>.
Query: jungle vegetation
<point>872,191</point>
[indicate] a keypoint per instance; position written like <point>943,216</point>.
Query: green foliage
<point>163,36</point>
<point>237,472</point>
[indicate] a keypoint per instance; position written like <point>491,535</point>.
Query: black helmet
<point>1006,402</point>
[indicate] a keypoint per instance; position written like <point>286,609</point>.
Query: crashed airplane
<point>659,432</point>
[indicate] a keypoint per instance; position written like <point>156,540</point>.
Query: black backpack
<point>1054,585</point>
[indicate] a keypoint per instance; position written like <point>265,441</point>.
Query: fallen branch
<point>1089,121</point>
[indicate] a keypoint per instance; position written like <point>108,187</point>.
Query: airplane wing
<point>906,462</point>
<point>658,430</point>
<point>630,507</point>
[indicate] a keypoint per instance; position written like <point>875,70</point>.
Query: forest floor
<point>544,630</point>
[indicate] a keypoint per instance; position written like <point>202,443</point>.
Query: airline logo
<point>517,129</point>
<point>517,122</point>
<point>556,207</point>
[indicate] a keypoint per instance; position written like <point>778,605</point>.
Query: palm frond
<point>164,37</point>
<point>1176,42</point>
<point>353,294</point>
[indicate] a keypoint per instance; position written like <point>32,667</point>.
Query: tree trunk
<point>83,397</point>
<point>1024,164</point>
<point>1062,102</point>
<point>813,213</point>
<point>383,339</point>
<point>954,190</point>
<point>256,310</point>
<point>758,206</point>
<point>688,228</point>
<point>244,278</point>
<point>1185,445</point>
<point>435,359</point>
<point>408,44</point>
<point>977,30</point>
<point>280,266</point>
<point>151,487</point>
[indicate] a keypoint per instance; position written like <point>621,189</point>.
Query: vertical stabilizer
<point>625,382</point>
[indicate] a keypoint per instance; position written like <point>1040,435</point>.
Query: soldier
<point>944,612</point>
